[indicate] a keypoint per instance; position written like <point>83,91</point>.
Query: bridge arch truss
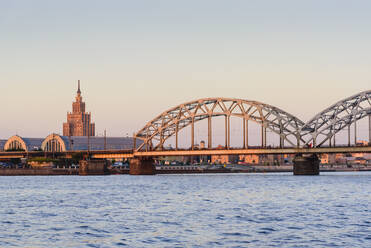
<point>341,115</point>
<point>169,123</point>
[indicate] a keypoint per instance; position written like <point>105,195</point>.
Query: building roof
<point>97,143</point>
<point>33,143</point>
<point>77,143</point>
<point>2,143</point>
<point>83,143</point>
<point>28,144</point>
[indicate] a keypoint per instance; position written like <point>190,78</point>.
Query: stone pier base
<point>93,167</point>
<point>142,166</point>
<point>306,165</point>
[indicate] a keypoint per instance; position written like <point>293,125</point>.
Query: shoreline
<point>115,171</point>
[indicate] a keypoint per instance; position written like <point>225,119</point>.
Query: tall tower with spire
<point>78,122</point>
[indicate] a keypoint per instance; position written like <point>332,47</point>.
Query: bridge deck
<point>130,154</point>
<point>258,151</point>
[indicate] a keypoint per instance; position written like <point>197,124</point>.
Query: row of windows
<point>53,146</point>
<point>15,145</point>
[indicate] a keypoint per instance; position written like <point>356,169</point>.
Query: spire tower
<point>78,121</point>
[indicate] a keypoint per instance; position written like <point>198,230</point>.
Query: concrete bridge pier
<point>142,166</point>
<point>93,167</point>
<point>306,165</point>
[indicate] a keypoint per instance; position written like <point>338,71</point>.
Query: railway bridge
<point>294,135</point>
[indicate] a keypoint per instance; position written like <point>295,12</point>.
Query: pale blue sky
<point>136,59</point>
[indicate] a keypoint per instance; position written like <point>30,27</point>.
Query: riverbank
<point>173,170</point>
<point>39,172</point>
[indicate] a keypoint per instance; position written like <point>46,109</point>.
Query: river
<point>212,210</point>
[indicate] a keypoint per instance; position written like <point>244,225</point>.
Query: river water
<point>219,210</point>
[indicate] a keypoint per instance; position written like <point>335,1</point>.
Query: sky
<point>136,59</point>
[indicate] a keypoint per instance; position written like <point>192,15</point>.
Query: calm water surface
<point>224,210</point>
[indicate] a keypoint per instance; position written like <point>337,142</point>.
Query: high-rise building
<point>78,122</point>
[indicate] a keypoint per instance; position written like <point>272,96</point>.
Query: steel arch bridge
<point>169,123</point>
<point>323,127</point>
<point>290,129</point>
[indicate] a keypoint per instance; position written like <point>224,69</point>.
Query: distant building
<point>287,158</point>
<point>58,143</point>
<point>17,143</point>
<point>324,158</point>
<point>362,143</point>
<point>2,143</point>
<point>264,159</point>
<point>78,122</point>
<point>249,159</point>
<point>340,158</point>
<point>220,159</point>
<point>55,142</point>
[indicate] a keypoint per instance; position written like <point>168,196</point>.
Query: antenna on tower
<point>78,89</point>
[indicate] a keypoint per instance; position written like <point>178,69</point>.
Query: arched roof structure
<point>55,142</point>
<point>20,143</point>
<point>327,123</point>
<point>170,122</point>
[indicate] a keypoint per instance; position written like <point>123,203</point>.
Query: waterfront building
<point>288,158</point>
<point>362,143</point>
<point>17,143</point>
<point>220,159</point>
<point>340,158</point>
<point>2,143</point>
<point>58,143</point>
<point>324,158</point>
<point>204,158</point>
<point>264,159</point>
<point>337,158</point>
<point>249,159</point>
<point>78,121</point>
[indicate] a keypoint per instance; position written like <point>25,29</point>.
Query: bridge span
<point>286,128</point>
<point>128,154</point>
<point>257,151</point>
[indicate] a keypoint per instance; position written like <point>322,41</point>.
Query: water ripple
<point>234,210</point>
